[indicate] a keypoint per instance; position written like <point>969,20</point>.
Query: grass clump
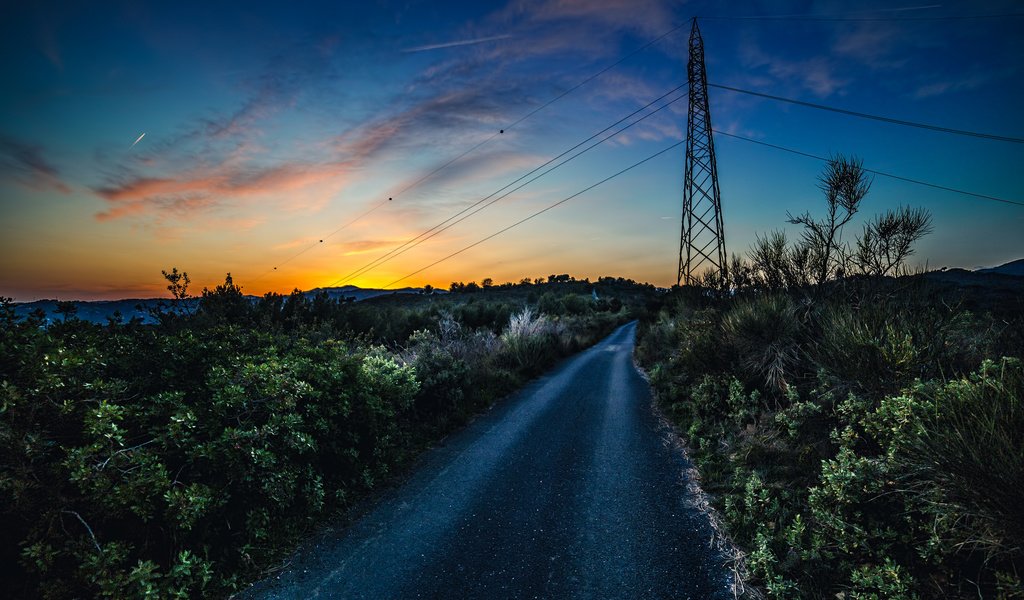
<point>530,339</point>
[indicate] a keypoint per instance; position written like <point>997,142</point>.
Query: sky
<point>214,138</point>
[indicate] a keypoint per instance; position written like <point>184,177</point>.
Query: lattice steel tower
<point>702,243</point>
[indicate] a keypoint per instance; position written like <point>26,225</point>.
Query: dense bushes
<point>121,485</point>
<point>182,459</point>
<point>870,446</point>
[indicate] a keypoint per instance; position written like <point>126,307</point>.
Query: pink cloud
<point>367,246</point>
<point>303,186</point>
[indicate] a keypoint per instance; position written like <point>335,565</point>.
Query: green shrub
<point>967,458</point>
<point>531,340</point>
<point>764,333</point>
<point>880,466</point>
<point>867,353</point>
<point>443,377</point>
<point>886,581</point>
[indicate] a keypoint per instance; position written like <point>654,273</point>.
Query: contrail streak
<point>137,140</point>
<point>911,8</point>
<point>457,43</point>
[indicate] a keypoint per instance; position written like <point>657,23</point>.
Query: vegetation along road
<point>569,488</point>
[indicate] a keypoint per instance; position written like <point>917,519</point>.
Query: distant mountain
<point>96,311</point>
<point>99,311</point>
<point>1014,267</point>
<point>357,293</point>
<point>1006,280</point>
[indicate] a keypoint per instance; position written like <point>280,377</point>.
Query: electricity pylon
<point>702,243</point>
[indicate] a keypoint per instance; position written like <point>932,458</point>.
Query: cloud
<point>49,47</point>
<point>296,186</point>
<point>198,188</point>
<point>877,46</point>
<point>816,74</point>
<point>867,42</point>
<point>618,86</point>
<point>465,182</point>
<point>977,78</point>
<point>25,164</point>
<point>437,118</point>
<point>648,17</point>
<point>367,246</point>
<point>272,93</point>
<point>548,32</point>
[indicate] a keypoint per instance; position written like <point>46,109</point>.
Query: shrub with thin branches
<point>888,240</point>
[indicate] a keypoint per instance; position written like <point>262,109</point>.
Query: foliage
<point>890,465</point>
<point>968,457</point>
<point>764,333</point>
<point>185,458</point>
<point>529,338</point>
<point>177,283</point>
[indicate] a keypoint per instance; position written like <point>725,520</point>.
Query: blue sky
<point>270,126</point>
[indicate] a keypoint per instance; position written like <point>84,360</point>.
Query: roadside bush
<point>864,352</point>
<point>764,333</point>
<point>443,377</point>
<point>883,468</point>
<point>885,463</point>
<point>531,340</point>
<point>967,461</point>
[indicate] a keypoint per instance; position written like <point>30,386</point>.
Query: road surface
<point>567,489</point>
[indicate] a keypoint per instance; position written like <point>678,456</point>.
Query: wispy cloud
<point>25,164</point>
<point>295,186</point>
<point>469,42</point>
<point>648,17</point>
<point>867,42</point>
<point>976,78</point>
<point>366,246</point>
<point>816,74</point>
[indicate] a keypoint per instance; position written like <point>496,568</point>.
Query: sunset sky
<point>268,127</point>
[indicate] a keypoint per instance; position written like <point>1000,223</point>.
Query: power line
<point>444,166</point>
<point>882,173</point>
<point>826,18</point>
<point>440,227</point>
<point>453,220</point>
<point>853,113</point>
<point>539,212</point>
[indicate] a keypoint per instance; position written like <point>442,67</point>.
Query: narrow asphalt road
<point>568,489</point>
